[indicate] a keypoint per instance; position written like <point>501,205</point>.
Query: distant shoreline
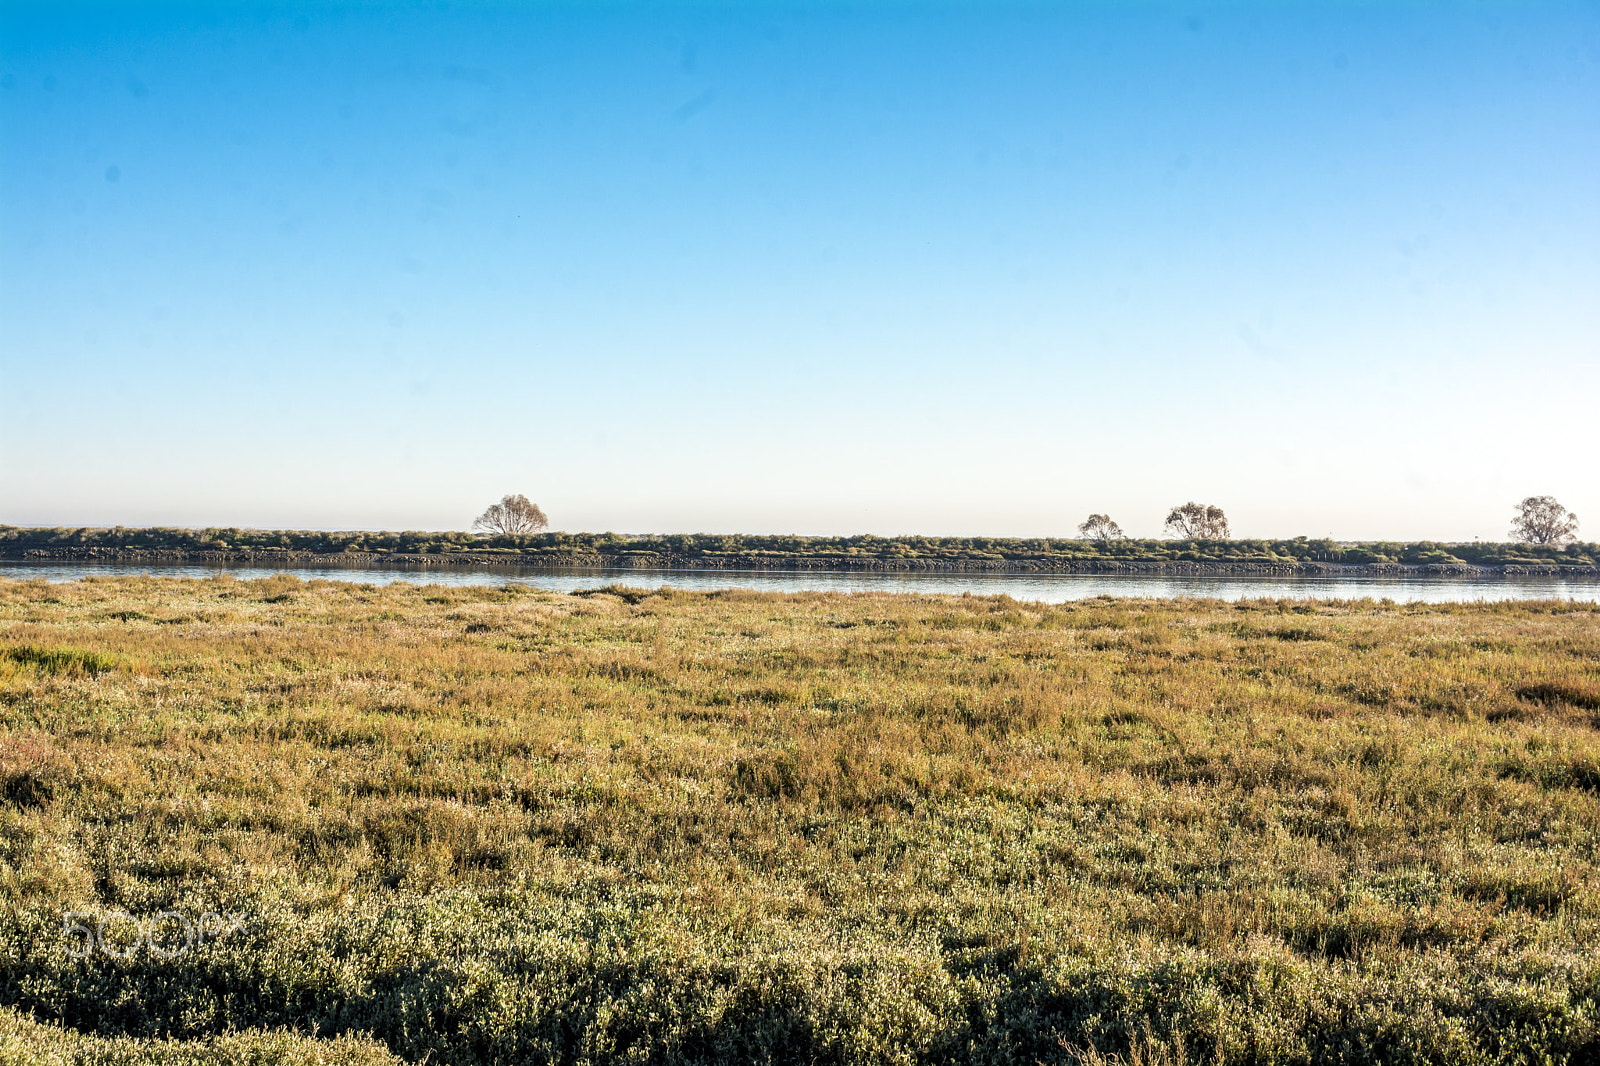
<point>447,551</point>
<point>545,560</point>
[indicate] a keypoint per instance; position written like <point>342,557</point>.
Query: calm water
<point>1048,588</point>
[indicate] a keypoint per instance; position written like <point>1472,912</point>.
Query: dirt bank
<point>778,562</point>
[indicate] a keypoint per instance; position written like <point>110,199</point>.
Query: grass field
<point>476,825</point>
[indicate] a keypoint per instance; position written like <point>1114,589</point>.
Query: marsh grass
<point>502,825</point>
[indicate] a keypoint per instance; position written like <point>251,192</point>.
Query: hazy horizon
<point>827,269</point>
<point>905,533</point>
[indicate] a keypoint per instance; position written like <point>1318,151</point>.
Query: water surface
<point>1047,588</point>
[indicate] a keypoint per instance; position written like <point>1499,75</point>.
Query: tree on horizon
<point>1541,520</point>
<point>1198,521</point>
<point>514,515</point>
<point>1100,527</point>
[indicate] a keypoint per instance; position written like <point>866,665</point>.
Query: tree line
<point>1538,520</point>
<point>1544,533</point>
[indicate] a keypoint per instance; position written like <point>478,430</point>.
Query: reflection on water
<point>1047,588</point>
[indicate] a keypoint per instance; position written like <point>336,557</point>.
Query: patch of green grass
<point>67,661</point>
<point>24,1040</point>
<point>1576,692</point>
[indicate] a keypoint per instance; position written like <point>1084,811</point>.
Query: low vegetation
<point>499,825</point>
<point>16,541</point>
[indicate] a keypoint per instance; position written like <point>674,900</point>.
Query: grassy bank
<point>477,825</point>
<point>16,541</point>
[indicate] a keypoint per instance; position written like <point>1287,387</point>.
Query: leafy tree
<point>1198,521</point>
<point>513,515</point>
<point>1100,527</point>
<point>1541,520</point>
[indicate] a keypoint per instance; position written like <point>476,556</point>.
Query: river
<point>1046,588</point>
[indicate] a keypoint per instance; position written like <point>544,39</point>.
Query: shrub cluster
<point>15,541</point>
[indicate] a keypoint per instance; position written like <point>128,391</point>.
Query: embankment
<point>777,562</point>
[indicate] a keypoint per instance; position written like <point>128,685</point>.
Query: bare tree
<point>1100,527</point>
<point>1541,520</point>
<point>512,515</point>
<point>1198,521</point>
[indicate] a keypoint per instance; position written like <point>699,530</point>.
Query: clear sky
<point>817,268</point>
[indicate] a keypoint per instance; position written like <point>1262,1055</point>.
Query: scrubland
<point>478,825</point>
<point>734,550</point>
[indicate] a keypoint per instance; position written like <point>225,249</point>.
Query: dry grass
<point>503,825</point>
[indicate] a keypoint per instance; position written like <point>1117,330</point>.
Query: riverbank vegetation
<point>496,825</point>
<point>18,541</point>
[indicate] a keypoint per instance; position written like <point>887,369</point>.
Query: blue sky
<point>822,268</point>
